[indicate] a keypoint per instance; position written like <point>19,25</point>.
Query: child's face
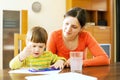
<point>37,48</point>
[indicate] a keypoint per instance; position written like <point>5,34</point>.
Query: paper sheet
<point>62,76</point>
<point>26,71</point>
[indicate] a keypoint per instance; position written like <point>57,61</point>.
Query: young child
<point>34,54</point>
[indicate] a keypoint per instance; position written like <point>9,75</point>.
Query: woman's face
<point>71,27</point>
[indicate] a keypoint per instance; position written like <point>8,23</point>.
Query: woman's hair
<point>79,13</point>
<point>37,34</point>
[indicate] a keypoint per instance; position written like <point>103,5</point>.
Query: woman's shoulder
<point>56,34</point>
<point>59,31</point>
<point>84,33</point>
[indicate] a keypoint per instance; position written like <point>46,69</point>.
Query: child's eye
<point>40,46</point>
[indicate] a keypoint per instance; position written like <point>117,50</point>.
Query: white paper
<point>26,71</point>
<point>62,76</point>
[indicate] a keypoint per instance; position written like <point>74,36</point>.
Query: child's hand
<point>58,64</point>
<point>25,53</point>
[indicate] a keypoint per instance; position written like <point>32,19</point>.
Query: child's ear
<point>44,49</point>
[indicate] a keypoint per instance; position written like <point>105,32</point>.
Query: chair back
<point>107,48</point>
<point>19,43</point>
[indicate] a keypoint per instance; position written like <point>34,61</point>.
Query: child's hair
<point>37,35</point>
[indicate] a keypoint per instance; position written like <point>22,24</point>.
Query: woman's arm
<point>100,57</point>
<point>51,46</point>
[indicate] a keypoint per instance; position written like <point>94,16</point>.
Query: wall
<point>50,17</point>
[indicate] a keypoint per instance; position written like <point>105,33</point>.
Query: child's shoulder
<point>47,53</point>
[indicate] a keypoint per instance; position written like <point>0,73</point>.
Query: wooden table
<point>111,72</point>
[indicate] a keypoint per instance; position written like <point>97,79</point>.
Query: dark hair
<point>79,13</point>
<point>38,35</point>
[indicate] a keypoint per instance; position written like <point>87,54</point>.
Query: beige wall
<point>50,16</point>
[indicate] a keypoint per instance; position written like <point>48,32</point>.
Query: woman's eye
<point>34,46</point>
<point>74,27</point>
<point>66,23</point>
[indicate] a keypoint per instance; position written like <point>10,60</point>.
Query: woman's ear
<point>82,29</point>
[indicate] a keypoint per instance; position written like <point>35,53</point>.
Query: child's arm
<point>58,61</point>
<point>17,62</point>
<point>59,64</point>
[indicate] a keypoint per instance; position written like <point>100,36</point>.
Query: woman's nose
<point>68,28</point>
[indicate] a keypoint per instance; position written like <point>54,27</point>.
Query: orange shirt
<point>57,46</point>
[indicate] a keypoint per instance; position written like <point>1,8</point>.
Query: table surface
<point>111,72</point>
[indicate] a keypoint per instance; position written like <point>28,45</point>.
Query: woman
<point>72,37</point>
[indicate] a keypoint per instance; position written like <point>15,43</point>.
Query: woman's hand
<point>58,64</point>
